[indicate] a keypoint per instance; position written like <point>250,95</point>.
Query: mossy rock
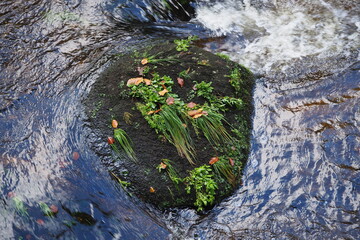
<point>110,99</point>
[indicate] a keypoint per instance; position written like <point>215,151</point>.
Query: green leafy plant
<point>185,74</point>
<point>202,181</point>
<point>20,207</point>
<point>45,209</point>
<point>223,56</point>
<point>204,89</point>
<point>184,44</point>
<point>235,79</point>
<point>124,142</point>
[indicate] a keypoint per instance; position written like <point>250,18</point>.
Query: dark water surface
<point>302,179</point>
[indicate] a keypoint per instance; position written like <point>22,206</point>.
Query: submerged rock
<point>183,120</point>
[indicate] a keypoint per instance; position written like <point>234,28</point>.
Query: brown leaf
<point>170,100</point>
<point>162,165</point>
<point>213,160</point>
<point>147,81</point>
<point>192,113</point>
<point>144,61</point>
<point>135,81</point>
<point>140,70</point>
<point>180,82</point>
<point>163,92</point>
<point>152,190</point>
<point>197,115</point>
<point>114,123</point>
<point>191,105</point>
<point>111,140</point>
<point>232,162</point>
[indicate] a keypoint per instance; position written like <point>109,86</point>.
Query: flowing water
<point>302,178</point>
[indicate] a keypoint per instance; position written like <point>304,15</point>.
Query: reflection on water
<point>302,178</point>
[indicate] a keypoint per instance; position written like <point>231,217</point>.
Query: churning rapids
<point>302,178</point>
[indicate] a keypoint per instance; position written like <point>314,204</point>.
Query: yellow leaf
<point>135,81</point>
<point>114,123</point>
<point>163,92</point>
<point>144,61</point>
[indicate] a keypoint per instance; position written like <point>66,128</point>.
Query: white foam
<point>282,33</point>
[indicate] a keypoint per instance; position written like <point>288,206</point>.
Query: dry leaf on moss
<point>213,160</point>
<point>163,92</point>
<point>170,100</point>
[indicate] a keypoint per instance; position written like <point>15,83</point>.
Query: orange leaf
<point>170,100</point>
<point>191,105</point>
<point>152,190</point>
<point>197,115</point>
<point>114,123</point>
<point>180,82</point>
<point>111,140</point>
<point>144,61</point>
<point>192,113</point>
<point>147,81</point>
<point>135,81</point>
<point>153,112</point>
<point>162,165</point>
<point>163,92</point>
<point>232,162</point>
<point>213,160</point>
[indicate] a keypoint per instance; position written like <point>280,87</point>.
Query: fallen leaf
<point>75,156</point>
<point>147,81</point>
<point>54,209</point>
<point>11,194</point>
<point>197,115</point>
<point>191,105</point>
<point>192,113</point>
<point>111,140</point>
<point>152,190</point>
<point>163,92</point>
<point>114,123</point>
<point>135,81</point>
<point>213,160</point>
<point>153,112</point>
<point>170,100</point>
<point>162,165</point>
<point>40,221</point>
<point>144,61</point>
<point>184,125</point>
<point>232,162</point>
<point>180,82</point>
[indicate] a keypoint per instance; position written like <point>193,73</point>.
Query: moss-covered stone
<point>149,180</point>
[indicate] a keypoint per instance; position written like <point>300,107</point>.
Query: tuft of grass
<point>45,209</point>
<point>177,133</point>
<point>125,143</point>
<point>173,175</point>
<point>223,168</point>
<point>212,128</point>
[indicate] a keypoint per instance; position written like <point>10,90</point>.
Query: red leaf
<point>111,140</point>
<point>54,209</point>
<point>40,221</point>
<point>213,160</point>
<point>232,162</point>
<point>170,100</point>
<point>191,105</point>
<point>75,156</point>
<point>180,82</point>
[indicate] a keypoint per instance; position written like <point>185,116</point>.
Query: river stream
<point>302,178</point>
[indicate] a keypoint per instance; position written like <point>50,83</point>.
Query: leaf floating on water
<point>170,100</point>
<point>40,222</point>
<point>75,156</point>
<point>163,92</point>
<point>114,123</point>
<point>180,82</point>
<point>213,160</point>
<point>111,140</point>
<point>152,190</point>
<point>144,61</point>
<point>54,209</point>
<point>191,105</point>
